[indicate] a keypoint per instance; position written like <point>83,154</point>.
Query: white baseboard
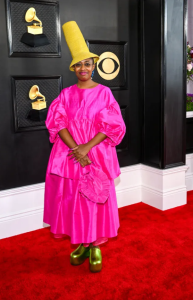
<point>129,196</point>
<point>21,209</point>
<point>164,201</point>
<point>189,173</point>
<point>21,223</point>
<point>189,114</point>
<point>163,189</point>
<point>128,186</point>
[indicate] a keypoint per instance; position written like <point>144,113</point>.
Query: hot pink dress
<point>81,202</point>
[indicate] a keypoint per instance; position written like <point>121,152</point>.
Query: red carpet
<point>152,258</point>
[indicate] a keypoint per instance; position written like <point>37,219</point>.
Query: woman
<point>85,125</point>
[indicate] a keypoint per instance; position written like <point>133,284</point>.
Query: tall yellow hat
<point>76,44</point>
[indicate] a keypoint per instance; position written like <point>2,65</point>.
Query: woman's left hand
<point>79,152</point>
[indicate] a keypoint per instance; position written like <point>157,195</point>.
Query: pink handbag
<point>95,185</point>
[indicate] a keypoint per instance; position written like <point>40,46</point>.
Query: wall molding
<point>189,173</point>
<point>22,208</point>
<point>163,189</point>
<point>21,190</point>
<point>189,114</point>
<point>21,214</point>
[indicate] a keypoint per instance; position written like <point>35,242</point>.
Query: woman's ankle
<point>94,246</point>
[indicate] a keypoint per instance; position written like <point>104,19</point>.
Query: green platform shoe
<point>78,256</point>
<point>95,259</point>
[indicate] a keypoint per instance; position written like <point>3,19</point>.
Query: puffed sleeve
<point>110,122</point>
<point>56,118</point>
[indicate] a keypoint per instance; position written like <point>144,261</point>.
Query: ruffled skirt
<point>69,213</point>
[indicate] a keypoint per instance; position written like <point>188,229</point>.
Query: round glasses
<point>87,65</point>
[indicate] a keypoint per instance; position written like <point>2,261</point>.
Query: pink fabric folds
<point>81,202</point>
<point>95,185</point>
<point>68,213</point>
<point>109,123</point>
<point>85,112</point>
<point>58,119</point>
<point>97,242</point>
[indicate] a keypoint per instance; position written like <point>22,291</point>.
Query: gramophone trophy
<point>34,37</point>
<point>39,107</point>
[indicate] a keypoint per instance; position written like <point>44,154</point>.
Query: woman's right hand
<point>85,161</point>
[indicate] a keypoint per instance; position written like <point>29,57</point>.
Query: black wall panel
<point>152,12</point>
<point>175,82</point>
<point>135,104</point>
<point>24,155</point>
<point>164,59</point>
<point>189,135</point>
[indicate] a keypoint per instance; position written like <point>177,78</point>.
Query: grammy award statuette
<point>34,37</point>
<point>39,107</point>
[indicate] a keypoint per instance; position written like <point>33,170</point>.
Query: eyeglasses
<point>79,65</point>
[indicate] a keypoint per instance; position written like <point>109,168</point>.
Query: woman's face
<point>83,69</point>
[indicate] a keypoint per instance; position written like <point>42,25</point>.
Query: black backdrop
<point>24,155</point>
<point>164,61</point>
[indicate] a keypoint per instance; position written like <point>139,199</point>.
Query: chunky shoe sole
<point>95,260</point>
<point>76,261</point>
<point>78,256</point>
<point>96,268</point>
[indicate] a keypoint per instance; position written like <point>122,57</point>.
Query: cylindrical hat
<point>76,43</point>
